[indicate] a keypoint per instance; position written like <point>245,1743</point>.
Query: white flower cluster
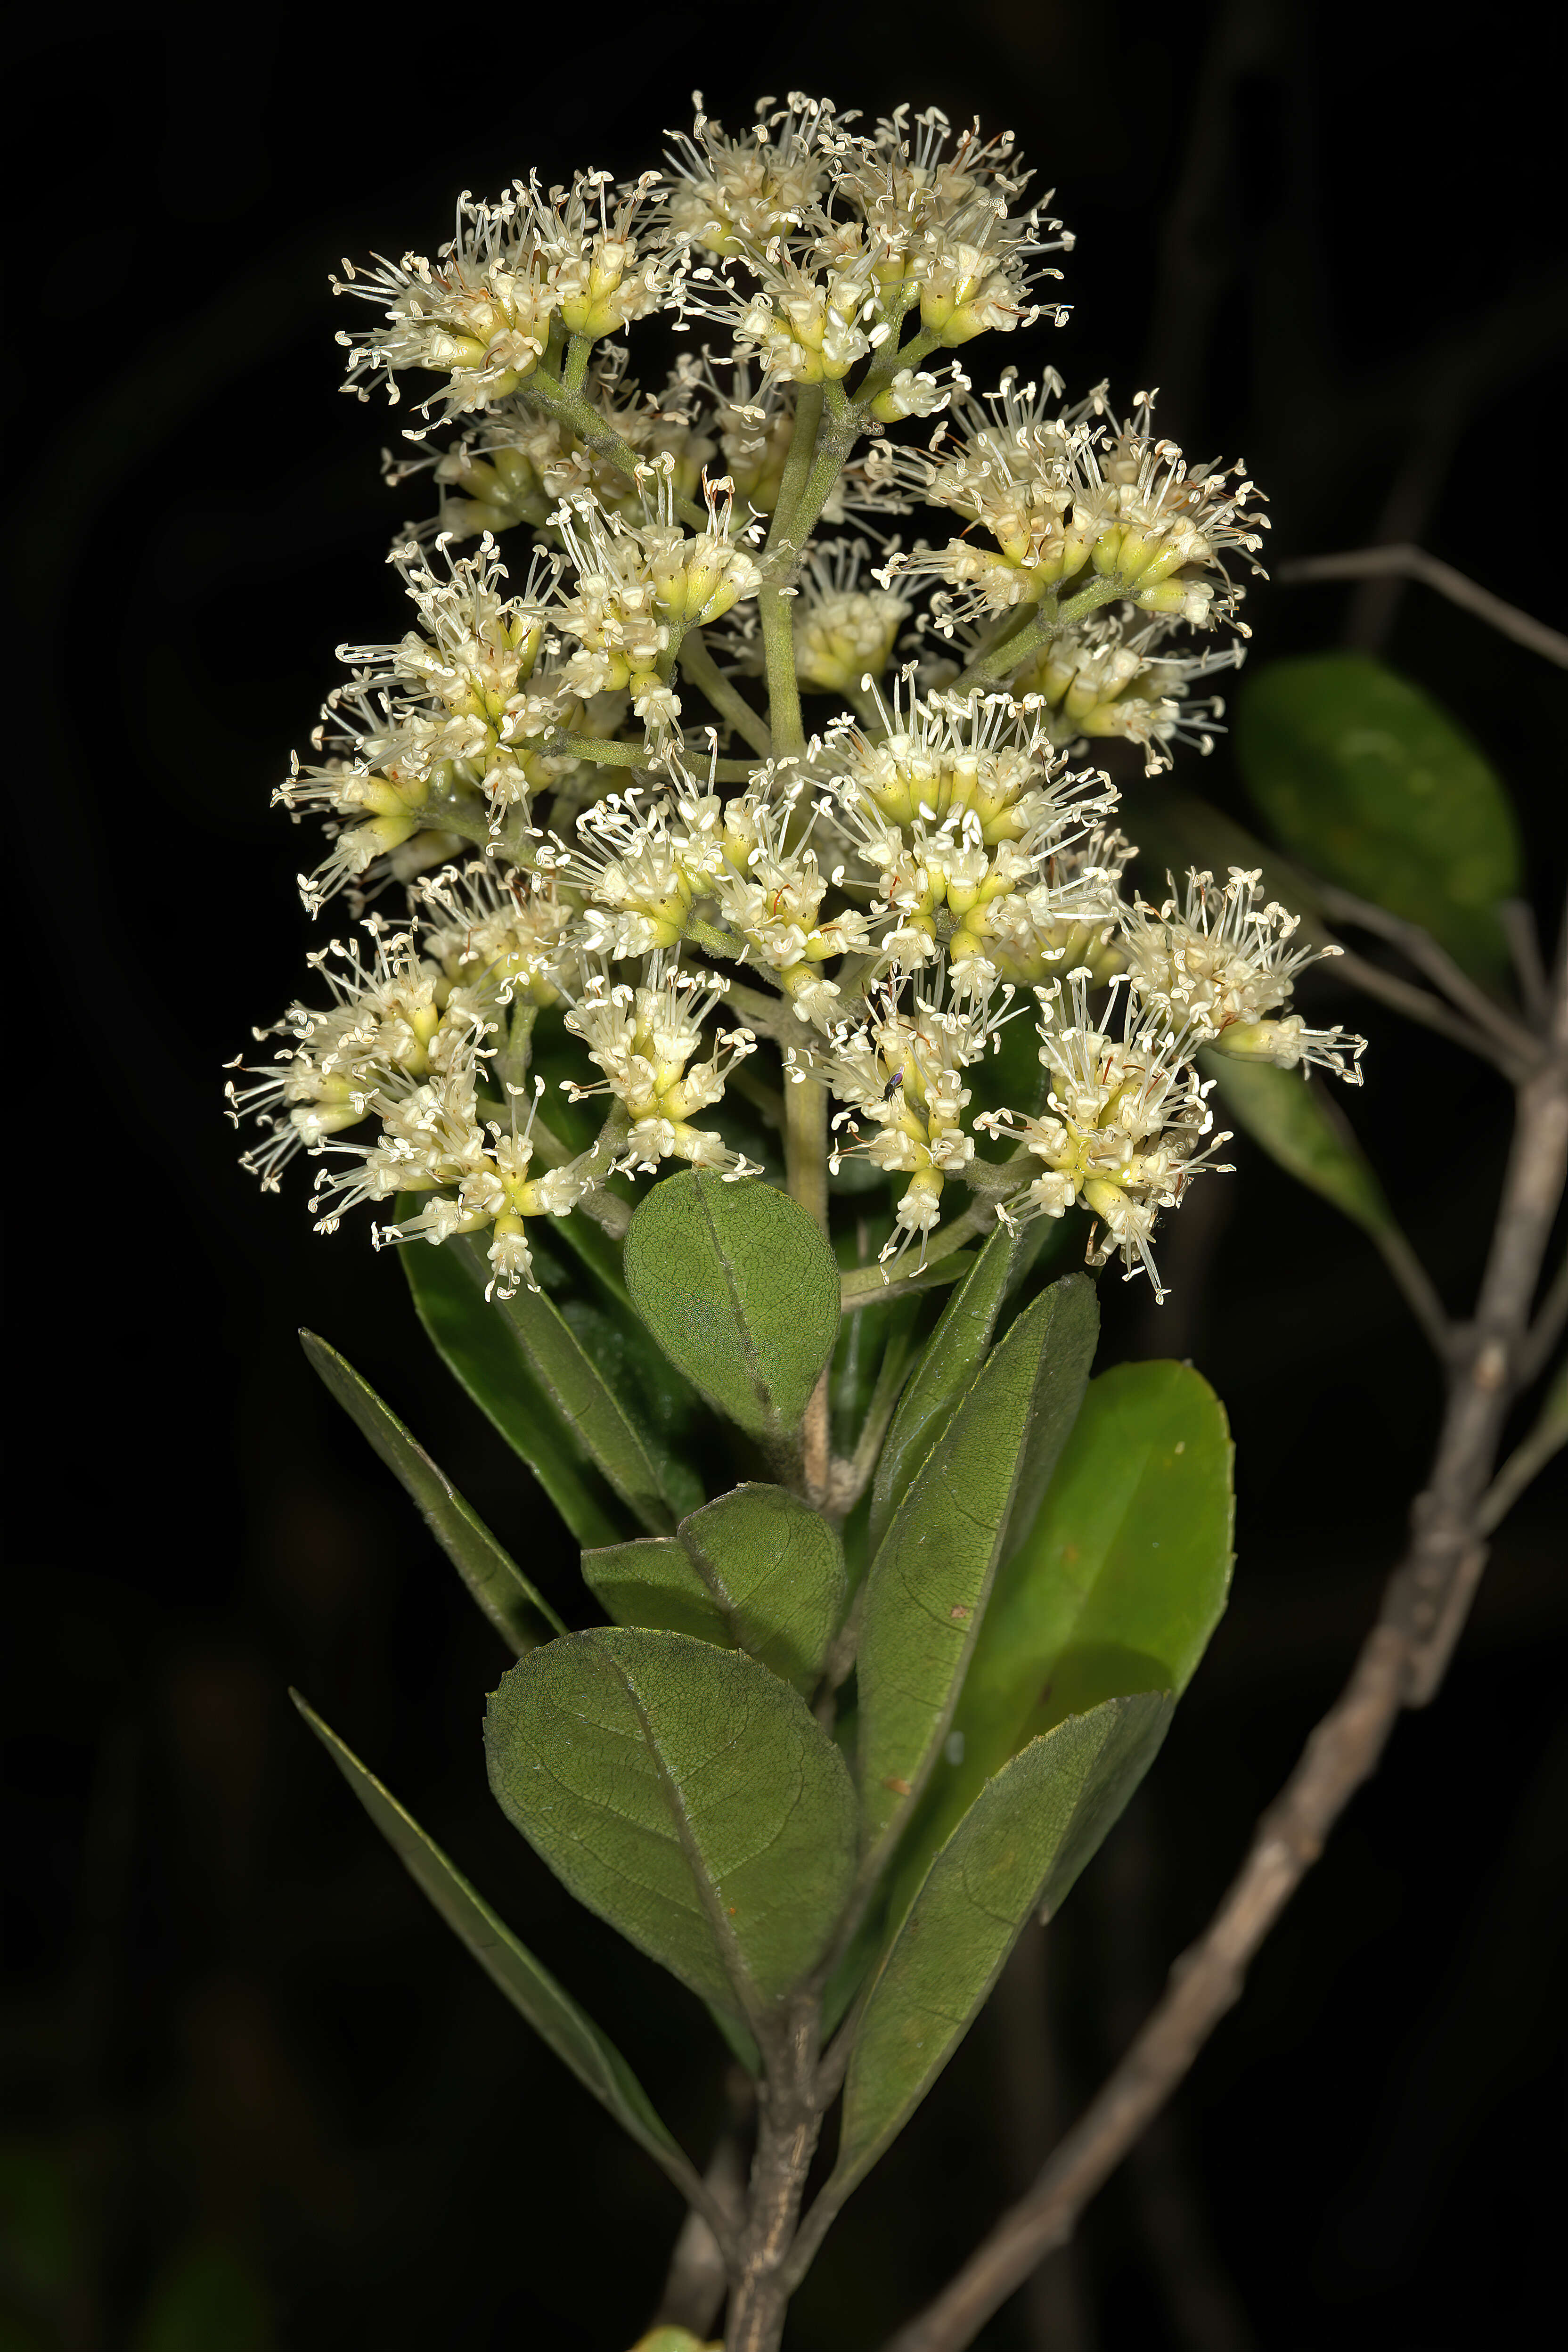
<point>882,896</point>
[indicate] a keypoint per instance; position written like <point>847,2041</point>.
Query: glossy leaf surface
<point>1298,1123</point>
<point>482,1350</point>
<point>530,1988</point>
<point>685,1795</point>
<point>928,1586</point>
<point>740,1290</point>
<point>1115,1589</point>
<point>1019,1847</point>
<point>1371,782</point>
<point>520,1614</point>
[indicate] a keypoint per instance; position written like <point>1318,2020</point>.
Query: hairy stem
<point>726,697</point>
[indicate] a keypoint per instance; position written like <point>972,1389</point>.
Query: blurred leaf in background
<point>1371,784</point>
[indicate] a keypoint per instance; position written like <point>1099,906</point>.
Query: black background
<point>1333,242</point>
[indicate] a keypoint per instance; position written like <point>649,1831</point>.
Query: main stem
<point>789,2121</point>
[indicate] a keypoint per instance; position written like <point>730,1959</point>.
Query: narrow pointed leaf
<point>949,1361</point>
<point>483,1351</point>
<point>1019,1847</point>
<point>520,1613</point>
<point>531,1990</point>
<point>1114,1589</point>
<point>685,1795</point>
<point>582,1398</point>
<point>1372,783</point>
<point>928,1586</point>
<point>664,1410</point>
<point>742,1292</point>
<point>1298,1124</point>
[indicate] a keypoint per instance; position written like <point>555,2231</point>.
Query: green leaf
<point>1019,1847</point>
<point>742,1292</point>
<point>775,1569</point>
<point>1376,787</point>
<point>1299,1124</point>
<point>757,1570</point>
<point>520,1614</point>
<point>482,1350</point>
<point>685,1795</point>
<point>929,1583</point>
<point>665,1410</point>
<point>581,1397</point>
<point>952,1357</point>
<point>652,1583</point>
<point>531,1989</point>
<point>1115,1589</point>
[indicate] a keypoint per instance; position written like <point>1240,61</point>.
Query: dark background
<point>237,2047</point>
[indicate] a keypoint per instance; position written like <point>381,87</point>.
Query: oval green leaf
<point>927,1589</point>
<point>1019,1848</point>
<point>740,1291</point>
<point>1371,784</point>
<point>775,1570</point>
<point>685,1795</point>
<point>520,1613</point>
<point>531,1989</point>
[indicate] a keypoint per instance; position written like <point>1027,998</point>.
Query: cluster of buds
<point>668,875</point>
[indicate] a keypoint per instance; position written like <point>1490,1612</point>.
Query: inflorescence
<point>620,859</point>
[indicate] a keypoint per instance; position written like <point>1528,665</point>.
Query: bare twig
<point>698,2278</point>
<point>1529,1458</point>
<point>1547,1329</point>
<point>1401,1664</point>
<point>1509,1036</point>
<point>1517,918</point>
<point>1415,564</point>
<point>1417,1005</point>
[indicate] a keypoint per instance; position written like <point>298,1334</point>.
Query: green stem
<point>1052,621</point>
<point>586,422</point>
<point>881,374</point>
<point>805,1147</point>
<point>726,697</point>
<point>576,366</point>
<point>787,734</point>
